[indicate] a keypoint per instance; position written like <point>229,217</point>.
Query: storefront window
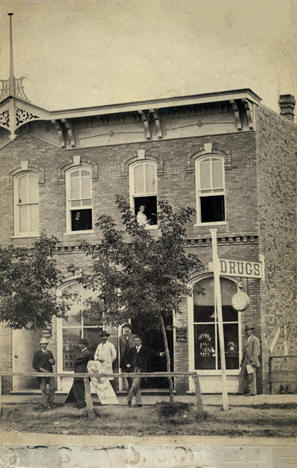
<point>76,326</point>
<point>206,334</point>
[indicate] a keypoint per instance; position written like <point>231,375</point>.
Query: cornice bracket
<point>59,128</point>
<point>249,113</point>
<point>236,114</point>
<point>69,131</point>
<point>145,120</point>
<point>156,117</point>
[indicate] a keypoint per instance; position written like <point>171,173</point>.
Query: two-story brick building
<point>223,153</point>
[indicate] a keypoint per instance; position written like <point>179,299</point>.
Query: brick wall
<point>276,173</point>
<point>176,183</point>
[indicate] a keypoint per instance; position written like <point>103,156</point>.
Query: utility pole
<point>218,306</point>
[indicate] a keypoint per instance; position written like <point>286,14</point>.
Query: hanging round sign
<point>240,301</point>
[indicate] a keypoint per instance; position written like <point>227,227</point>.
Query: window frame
<point>17,204</point>
<point>69,208</point>
<point>212,191</point>
<point>144,194</point>
<point>192,323</point>
<point>60,326</point>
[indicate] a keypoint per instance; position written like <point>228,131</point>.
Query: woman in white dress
<point>104,357</point>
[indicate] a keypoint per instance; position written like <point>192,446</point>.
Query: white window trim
<point>191,347</point>
<point>200,195</point>
<point>68,205</point>
<point>17,233</point>
<point>59,333</point>
<point>144,194</point>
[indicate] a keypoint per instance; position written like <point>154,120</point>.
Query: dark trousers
<point>48,389</point>
<point>135,388</point>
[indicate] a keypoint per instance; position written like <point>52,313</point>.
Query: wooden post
<point>198,394</point>
<point>89,402</point>
<point>218,305</point>
<point>0,395</point>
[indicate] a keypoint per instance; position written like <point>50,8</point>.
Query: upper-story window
<point>210,189</point>
<point>26,204</point>
<point>78,200</point>
<point>143,192</point>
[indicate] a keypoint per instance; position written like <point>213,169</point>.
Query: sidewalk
<point>207,399</point>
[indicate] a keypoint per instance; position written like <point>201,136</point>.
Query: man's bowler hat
<point>43,340</point>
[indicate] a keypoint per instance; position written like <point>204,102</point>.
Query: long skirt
<point>77,393</point>
<point>101,385</point>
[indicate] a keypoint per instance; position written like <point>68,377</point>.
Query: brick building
<point>223,153</point>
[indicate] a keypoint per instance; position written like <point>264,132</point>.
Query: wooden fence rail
<point>86,377</point>
<point>282,375</point>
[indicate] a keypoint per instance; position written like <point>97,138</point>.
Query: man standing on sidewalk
<point>126,343</point>
<point>43,361</point>
<point>139,357</point>
<point>249,364</point>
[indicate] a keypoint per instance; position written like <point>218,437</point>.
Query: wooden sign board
<point>181,335</point>
<point>239,268</point>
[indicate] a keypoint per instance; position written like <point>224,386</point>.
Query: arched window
<point>26,204</point>
<point>143,191</point>
<point>205,322</point>
<point>76,326</point>
<point>210,189</point>
<point>78,199</point>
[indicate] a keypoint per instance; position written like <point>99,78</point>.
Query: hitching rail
<point>86,377</point>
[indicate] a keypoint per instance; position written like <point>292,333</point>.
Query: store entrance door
<point>24,345</point>
<point>153,338</point>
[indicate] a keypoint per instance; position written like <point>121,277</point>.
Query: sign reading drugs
<point>240,268</point>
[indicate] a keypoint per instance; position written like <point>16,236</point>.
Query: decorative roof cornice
<point>16,112</point>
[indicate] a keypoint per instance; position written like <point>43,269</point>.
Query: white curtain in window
<point>145,179</point>
<point>26,204</point>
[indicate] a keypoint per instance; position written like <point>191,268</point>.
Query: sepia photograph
<point>148,233</point>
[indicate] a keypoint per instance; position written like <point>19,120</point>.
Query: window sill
<point>214,373</point>
<point>217,223</point>
<point>25,236</point>
<point>149,227</point>
<point>73,233</point>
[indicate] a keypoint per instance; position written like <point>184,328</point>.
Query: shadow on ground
<point>156,419</point>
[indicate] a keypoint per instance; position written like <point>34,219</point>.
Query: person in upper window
<point>76,223</point>
<point>141,217</point>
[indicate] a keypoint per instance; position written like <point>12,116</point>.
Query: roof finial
<point>11,75</point>
<point>13,86</point>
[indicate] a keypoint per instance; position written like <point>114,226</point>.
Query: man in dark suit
<point>139,358</point>
<point>126,343</point>
<point>77,392</point>
<point>249,364</point>
<point>43,361</point>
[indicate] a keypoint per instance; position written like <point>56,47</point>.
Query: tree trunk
<point>167,359</point>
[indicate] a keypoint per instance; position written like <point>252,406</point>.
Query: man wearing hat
<point>43,361</point>
<point>249,364</point>
<point>77,392</point>
<point>126,343</point>
<point>106,354</point>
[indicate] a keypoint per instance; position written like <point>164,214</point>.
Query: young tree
<point>140,274</point>
<point>28,278</point>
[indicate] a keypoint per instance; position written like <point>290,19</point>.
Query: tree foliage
<point>140,273</point>
<point>28,278</point>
